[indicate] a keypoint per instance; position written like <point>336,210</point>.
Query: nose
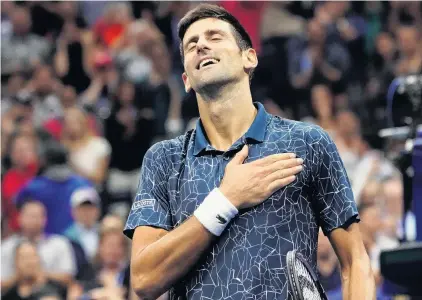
<point>202,45</point>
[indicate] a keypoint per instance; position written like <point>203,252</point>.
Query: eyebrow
<point>208,33</point>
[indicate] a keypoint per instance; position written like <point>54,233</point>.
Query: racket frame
<point>293,278</point>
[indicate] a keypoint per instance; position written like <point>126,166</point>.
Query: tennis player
<point>218,208</point>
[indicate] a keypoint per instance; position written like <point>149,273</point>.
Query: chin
<point>212,81</point>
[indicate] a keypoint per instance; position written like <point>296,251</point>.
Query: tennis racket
<point>303,282</point>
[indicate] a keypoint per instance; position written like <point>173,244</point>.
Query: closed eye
<point>191,46</point>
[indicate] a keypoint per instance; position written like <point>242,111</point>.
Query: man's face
<point>23,152</point>
<point>44,80</point>
<point>21,21</point>
<point>32,219</point>
<point>86,214</point>
<point>316,32</point>
<point>27,261</point>
<point>212,56</point>
<point>408,39</point>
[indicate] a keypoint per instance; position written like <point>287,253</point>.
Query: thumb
<point>240,156</point>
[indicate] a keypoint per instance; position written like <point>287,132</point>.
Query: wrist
<point>230,196</point>
<point>215,212</point>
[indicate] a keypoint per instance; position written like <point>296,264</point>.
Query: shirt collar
<point>255,133</point>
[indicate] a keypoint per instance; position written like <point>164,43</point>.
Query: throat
<point>226,123</point>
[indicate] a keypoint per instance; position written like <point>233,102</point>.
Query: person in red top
<point>249,14</point>
<point>109,29</point>
<point>23,156</point>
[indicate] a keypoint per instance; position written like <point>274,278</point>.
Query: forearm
<point>330,72</point>
<point>61,61</point>
<point>302,80</point>
<point>158,266</point>
<point>359,282</point>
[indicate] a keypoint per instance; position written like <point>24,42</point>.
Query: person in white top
<point>56,252</point>
<point>85,204</point>
<point>89,155</point>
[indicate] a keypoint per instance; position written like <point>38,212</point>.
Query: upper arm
<point>348,245</point>
<point>151,206</point>
<point>333,196</point>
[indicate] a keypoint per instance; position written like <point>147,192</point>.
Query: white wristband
<point>215,212</point>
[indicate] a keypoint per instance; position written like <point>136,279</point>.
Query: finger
<point>240,156</point>
<point>278,184</point>
<point>284,173</point>
<point>283,164</point>
<point>265,161</point>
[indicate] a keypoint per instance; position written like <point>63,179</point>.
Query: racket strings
<point>306,283</point>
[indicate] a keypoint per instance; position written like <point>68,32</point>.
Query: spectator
<point>24,166</point>
<point>328,265</point>
<point>125,131</point>
<point>380,75</point>
<point>409,42</point>
<point>68,99</point>
<point>14,84</point>
<point>86,212</point>
<point>55,251</point>
<point>110,265</point>
<point>313,60</point>
<point>23,51</point>
<point>109,29</point>
<point>54,188</point>
<point>322,103</point>
<point>31,280</point>
<point>112,222</point>
<point>43,92</point>
<point>103,84</point>
<point>71,60</point>
<point>89,155</point>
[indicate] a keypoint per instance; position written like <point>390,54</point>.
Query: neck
<point>32,237</point>
<point>86,226</point>
<point>226,115</point>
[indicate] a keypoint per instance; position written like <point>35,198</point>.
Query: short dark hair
<point>204,11</point>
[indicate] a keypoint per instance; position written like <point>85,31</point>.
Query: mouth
<point>207,62</point>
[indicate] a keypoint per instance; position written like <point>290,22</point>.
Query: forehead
<point>201,26</point>
<point>408,32</point>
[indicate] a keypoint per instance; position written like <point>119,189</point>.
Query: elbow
<point>145,286</point>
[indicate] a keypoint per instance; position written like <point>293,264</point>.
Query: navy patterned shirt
<point>248,261</point>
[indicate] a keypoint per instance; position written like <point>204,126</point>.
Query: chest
<point>198,176</point>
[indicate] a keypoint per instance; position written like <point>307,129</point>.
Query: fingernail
<point>292,155</point>
<point>300,168</point>
<point>300,160</point>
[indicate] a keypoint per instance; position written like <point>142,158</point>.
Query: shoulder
<point>99,142</point>
<point>8,245</point>
<point>295,129</point>
<point>167,150</point>
<point>59,241</point>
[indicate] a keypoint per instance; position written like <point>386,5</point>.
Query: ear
<point>185,78</point>
<point>250,59</point>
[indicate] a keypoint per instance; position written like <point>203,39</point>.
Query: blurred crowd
<point>89,86</point>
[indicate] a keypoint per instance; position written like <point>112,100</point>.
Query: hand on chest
<point>202,174</point>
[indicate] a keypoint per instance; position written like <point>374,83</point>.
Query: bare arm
<point>61,59</point>
<point>356,273</point>
<point>92,93</point>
